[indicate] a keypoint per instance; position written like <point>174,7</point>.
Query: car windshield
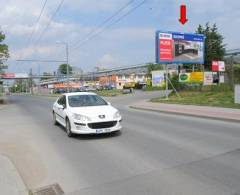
<point>85,100</point>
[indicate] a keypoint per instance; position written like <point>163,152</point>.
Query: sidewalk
<point>227,114</point>
<point>10,181</point>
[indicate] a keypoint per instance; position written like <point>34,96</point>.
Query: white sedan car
<point>86,113</point>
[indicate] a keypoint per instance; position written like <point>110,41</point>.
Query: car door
<point>62,110</point>
<point>59,110</point>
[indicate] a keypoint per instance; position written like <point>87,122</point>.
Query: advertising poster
<point>218,66</point>
<point>221,66</point>
<point>197,77</point>
<point>215,66</point>
<point>221,79</point>
<point>158,78</point>
<point>184,77</point>
<point>208,78</point>
<point>179,48</point>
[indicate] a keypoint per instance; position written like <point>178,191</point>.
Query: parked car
<point>140,85</point>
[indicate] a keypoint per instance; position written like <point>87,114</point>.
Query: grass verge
<point>105,93</point>
<point>109,93</point>
<point>206,98</point>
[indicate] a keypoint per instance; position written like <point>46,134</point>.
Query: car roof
<point>79,93</point>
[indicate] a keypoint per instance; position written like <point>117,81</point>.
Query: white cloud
<point>107,60</point>
<point>94,6</point>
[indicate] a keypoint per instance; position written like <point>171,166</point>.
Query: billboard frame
<point>157,48</point>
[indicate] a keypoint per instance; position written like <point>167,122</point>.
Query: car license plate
<point>102,130</point>
<point>99,131</point>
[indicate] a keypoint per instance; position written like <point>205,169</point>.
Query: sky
<point>128,42</point>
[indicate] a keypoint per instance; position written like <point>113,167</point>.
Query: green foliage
<point>3,48</point>
<point>63,69</point>
<point>46,74</point>
<point>150,88</point>
<point>205,98</point>
<point>236,70</point>
<point>109,93</point>
<point>152,67</point>
<point>214,47</point>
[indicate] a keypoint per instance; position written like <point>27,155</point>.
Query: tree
<point>151,67</point>
<point>3,50</point>
<point>63,69</point>
<point>214,46</point>
<point>46,74</point>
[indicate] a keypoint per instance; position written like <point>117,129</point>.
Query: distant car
<point>59,91</point>
<point>141,85</point>
<point>85,113</point>
<point>99,88</point>
<point>108,87</point>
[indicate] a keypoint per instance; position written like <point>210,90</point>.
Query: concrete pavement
<point>190,110</point>
<point>10,181</point>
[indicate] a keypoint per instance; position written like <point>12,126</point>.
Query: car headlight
<point>81,117</point>
<point>117,115</point>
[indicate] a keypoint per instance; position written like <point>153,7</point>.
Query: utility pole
<point>31,82</point>
<point>67,61</point>
<point>39,79</point>
<point>67,66</point>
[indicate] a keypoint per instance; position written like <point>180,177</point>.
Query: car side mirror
<point>61,107</point>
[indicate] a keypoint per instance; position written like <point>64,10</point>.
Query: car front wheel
<point>68,128</point>
<point>54,119</point>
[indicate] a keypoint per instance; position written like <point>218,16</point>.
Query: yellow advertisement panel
<point>197,77</point>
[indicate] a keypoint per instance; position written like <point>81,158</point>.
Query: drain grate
<point>54,189</point>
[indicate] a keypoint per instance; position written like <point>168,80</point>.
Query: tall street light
<point>67,61</point>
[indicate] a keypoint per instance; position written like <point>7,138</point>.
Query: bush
<point>237,74</point>
<point>150,88</point>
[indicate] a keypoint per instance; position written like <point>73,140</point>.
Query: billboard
<point>179,48</point>
<point>157,78</point>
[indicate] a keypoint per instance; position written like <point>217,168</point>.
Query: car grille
<point>102,125</point>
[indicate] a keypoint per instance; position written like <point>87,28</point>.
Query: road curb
<point>186,114</point>
<point>10,180</point>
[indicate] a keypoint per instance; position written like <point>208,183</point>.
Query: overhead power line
<point>109,25</point>
<point>50,21</point>
<point>37,21</point>
<point>35,24</point>
<point>104,22</point>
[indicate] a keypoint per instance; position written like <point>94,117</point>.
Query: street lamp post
<point>67,61</point>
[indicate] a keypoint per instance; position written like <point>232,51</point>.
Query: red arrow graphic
<point>183,14</point>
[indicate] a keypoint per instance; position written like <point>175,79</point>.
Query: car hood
<point>94,111</point>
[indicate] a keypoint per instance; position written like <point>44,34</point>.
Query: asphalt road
<point>155,153</point>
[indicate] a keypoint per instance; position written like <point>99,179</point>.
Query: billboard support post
<point>168,81</point>
<point>166,92</point>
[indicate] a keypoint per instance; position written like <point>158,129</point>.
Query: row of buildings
<point>116,78</point>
